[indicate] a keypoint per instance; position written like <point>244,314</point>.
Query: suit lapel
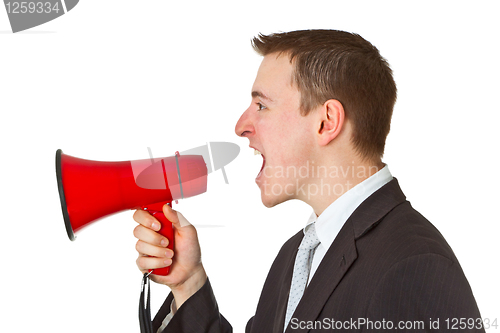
<point>341,254</point>
<point>279,321</point>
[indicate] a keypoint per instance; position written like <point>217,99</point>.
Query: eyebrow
<point>260,94</point>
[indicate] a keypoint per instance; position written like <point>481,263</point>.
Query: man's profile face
<point>275,128</point>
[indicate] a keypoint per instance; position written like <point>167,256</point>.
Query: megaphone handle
<point>168,231</point>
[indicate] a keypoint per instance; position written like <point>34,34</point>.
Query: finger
<point>147,263</point>
<point>146,249</point>
<point>177,219</point>
<point>149,236</point>
<point>147,220</point>
<point>170,214</point>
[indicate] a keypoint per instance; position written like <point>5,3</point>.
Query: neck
<point>330,181</point>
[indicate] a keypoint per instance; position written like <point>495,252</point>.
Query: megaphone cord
<point>145,306</point>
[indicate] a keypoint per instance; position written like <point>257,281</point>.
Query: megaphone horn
<point>90,190</point>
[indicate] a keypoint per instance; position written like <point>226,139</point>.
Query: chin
<point>270,200</point>
<point>268,197</point>
<point>268,203</point>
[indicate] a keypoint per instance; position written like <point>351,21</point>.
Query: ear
<point>331,121</point>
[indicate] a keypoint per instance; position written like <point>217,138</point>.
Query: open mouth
<point>256,152</point>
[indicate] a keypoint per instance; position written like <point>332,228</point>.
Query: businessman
<point>320,113</point>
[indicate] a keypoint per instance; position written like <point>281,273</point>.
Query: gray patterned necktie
<point>301,270</point>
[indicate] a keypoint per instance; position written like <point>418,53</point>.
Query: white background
<point>111,78</point>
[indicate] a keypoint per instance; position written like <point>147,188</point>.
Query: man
<point>320,113</point>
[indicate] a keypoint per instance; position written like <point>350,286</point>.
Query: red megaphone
<point>90,190</point>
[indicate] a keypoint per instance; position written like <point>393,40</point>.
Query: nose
<point>244,126</point>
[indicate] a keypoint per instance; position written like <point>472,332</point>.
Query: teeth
<point>256,152</point>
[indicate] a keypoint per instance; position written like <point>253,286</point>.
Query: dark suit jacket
<point>388,264</point>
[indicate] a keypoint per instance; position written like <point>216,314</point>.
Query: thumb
<point>177,219</point>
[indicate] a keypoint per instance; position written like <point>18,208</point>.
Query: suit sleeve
<point>199,314</point>
<point>428,290</point>
<point>248,328</point>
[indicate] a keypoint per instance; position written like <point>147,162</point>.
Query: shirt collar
<point>329,223</point>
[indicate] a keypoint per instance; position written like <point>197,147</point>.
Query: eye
<point>260,106</point>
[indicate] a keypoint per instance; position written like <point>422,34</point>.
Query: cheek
<point>293,148</point>
<point>299,139</point>
<point>287,140</point>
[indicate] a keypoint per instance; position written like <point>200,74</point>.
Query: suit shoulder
<point>404,232</point>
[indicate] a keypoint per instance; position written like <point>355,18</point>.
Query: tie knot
<point>310,240</point>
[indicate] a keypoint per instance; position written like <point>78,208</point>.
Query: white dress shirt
<point>329,223</point>
<point>168,318</point>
